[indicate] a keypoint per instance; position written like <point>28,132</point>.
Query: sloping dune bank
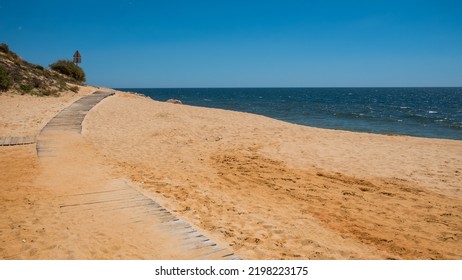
<point>273,190</point>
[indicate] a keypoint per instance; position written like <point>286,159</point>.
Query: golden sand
<point>265,188</point>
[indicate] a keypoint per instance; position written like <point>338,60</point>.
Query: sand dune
<point>276,190</point>
<point>24,115</point>
<point>265,188</point>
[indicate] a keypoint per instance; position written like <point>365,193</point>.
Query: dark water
<point>424,112</point>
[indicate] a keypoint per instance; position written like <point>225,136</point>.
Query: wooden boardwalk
<point>131,207</point>
<point>68,120</point>
<point>14,141</point>
<point>123,201</point>
<point>71,118</point>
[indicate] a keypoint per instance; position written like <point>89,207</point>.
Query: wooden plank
<point>186,231</point>
<point>100,192</point>
<point>231,256</point>
<point>7,141</point>
<point>126,199</point>
<point>96,202</point>
<point>193,235</point>
<point>31,139</point>
<point>197,243</point>
<point>168,220</point>
<point>213,253</point>
<point>25,140</point>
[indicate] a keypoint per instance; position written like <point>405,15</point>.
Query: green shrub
<point>69,69</point>
<point>4,48</point>
<point>14,56</point>
<point>49,92</point>
<point>74,89</point>
<point>37,83</point>
<point>39,67</point>
<point>26,88</point>
<point>62,84</point>
<point>5,80</point>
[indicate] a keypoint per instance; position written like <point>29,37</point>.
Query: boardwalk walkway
<point>14,141</point>
<point>99,197</point>
<point>68,120</point>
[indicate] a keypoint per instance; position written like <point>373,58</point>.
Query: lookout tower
<point>77,57</point>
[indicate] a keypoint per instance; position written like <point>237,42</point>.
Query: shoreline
<point>266,188</point>
<point>408,116</point>
<point>127,90</point>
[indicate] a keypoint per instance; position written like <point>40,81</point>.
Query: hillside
<point>21,77</point>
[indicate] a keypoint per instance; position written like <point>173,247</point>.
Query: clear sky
<point>253,43</point>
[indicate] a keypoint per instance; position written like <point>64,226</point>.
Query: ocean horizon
<point>432,112</point>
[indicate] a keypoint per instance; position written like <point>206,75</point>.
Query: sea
<point>422,112</point>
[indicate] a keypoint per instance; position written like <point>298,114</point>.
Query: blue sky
<point>221,43</point>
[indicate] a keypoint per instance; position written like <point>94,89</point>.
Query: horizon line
<point>295,87</point>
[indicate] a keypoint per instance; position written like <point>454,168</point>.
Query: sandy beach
<point>263,188</point>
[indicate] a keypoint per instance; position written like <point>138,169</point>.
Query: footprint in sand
<point>305,242</point>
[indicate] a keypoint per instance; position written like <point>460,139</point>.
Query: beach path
<point>85,212</point>
<point>18,140</point>
<point>103,182</point>
<point>68,120</point>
